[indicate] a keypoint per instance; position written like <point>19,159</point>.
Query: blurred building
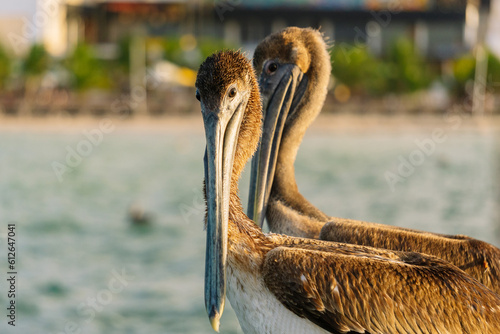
<point>95,21</point>
<point>438,27</point>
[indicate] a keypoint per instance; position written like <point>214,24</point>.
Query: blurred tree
<point>408,71</point>
<point>209,45</point>
<point>86,70</point>
<point>463,72</point>
<point>5,67</point>
<point>464,69</point>
<point>401,71</point>
<point>493,79</point>
<point>36,62</point>
<point>33,68</point>
<point>123,60</point>
<point>189,52</point>
<point>355,67</point>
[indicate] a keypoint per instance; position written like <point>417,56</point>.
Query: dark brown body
<point>477,258</point>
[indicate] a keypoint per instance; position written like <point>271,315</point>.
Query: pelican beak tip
<point>215,320</point>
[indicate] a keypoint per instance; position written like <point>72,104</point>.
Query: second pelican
<point>300,56</point>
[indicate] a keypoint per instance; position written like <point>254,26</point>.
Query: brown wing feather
<point>477,258</point>
<point>348,290</point>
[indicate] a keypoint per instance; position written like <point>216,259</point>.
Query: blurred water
<point>74,238</point>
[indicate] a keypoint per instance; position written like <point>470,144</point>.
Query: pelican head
<point>293,66</point>
<point>230,105</point>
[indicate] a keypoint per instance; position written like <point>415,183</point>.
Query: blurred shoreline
<point>326,122</point>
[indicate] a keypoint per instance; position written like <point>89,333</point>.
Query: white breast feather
<point>258,310</point>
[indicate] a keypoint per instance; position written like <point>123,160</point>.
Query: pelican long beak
<point>281,93</point>
<point>221,130</point>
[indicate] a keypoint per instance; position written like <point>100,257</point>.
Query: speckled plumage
<point>477,258</point>
<point>290,213</point>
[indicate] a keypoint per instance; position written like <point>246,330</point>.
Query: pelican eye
<point>198,97</point>
<point>232,93</point>
<point>271,67</point>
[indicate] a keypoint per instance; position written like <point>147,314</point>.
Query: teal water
<point>82,268</point>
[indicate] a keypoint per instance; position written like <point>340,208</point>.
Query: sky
<point>17,7</point>
<point>493,38</point>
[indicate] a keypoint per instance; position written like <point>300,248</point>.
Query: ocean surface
<point>82,267</point>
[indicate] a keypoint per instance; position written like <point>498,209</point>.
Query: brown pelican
<point>302,54</point>
<point>280,284</point>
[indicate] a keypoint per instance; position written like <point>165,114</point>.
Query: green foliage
<point>205,46</point>
<point>353,66</point>
<point>493,72</point>
<point>401,71</point>
<point>408,72</point>
<point>464,70</point>
<point>123,60</point>
<point>5,67</point>
<point>357,68</point>
<point>86,70</point>
<point>173,52</point>
<point>209,45</point>
<point>36,62</point>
